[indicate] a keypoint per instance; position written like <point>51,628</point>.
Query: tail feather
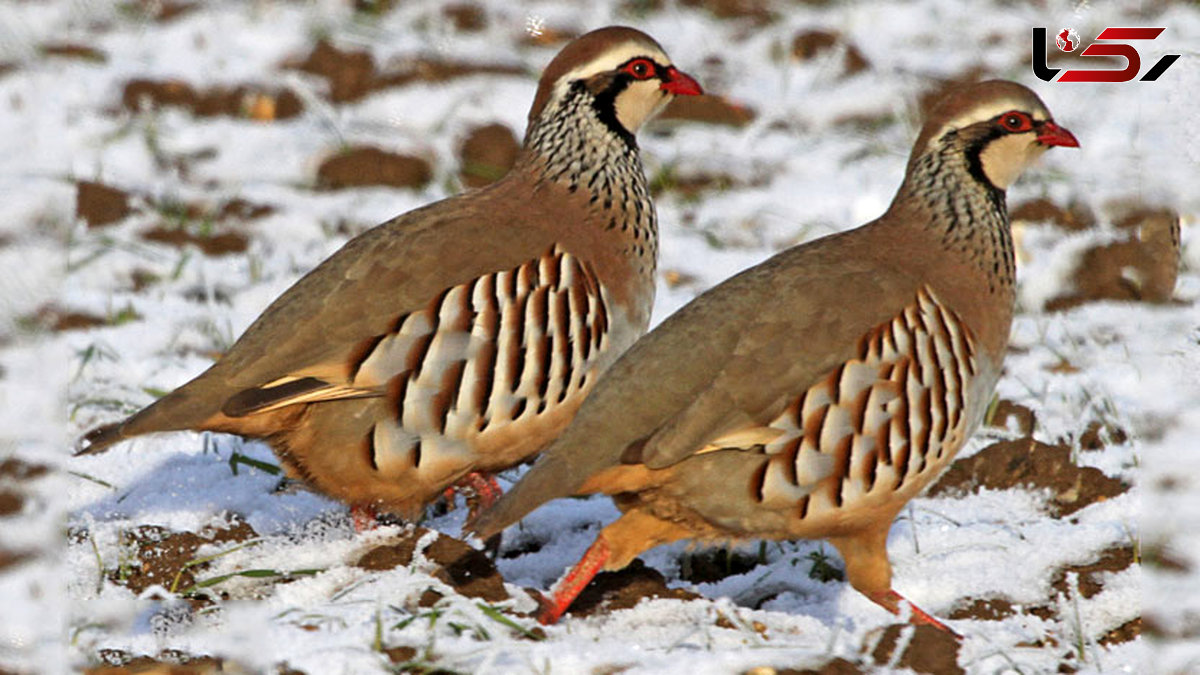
<point>100,439</point>
<point>189,407</point>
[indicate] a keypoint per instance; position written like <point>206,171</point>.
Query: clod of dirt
<point>222,243</point>
<point>247,101</point>
<point>1114,559</point>
<point>709,109</point>
<point>363,166</point>
<point>1130,630</point>
<point>1099,436</point>
<point>930,650</point>
<point>352,74</point>
<point>1012,416</point>
<point>984,609</point>
<point>429,598</point>
<point>99,205</point>
<point>624,589</point>
<point>1029,463</point>
<point>10,558</point>
<point>143,279</point>
<point>11,502</point>
<point>807,45</point>
<point>487,154</point>
<point>1077,216</point>
<point>243,210</point>
<point>162,11</point>
<point>469,572</point>
<point>1160,555</point>
<point>20,470</point>
<point>142,93</point>
<point>374,6</point>
<point>71,50</point>
<point>757,12</point>
<point>233,209</point>
<point>466,17</point>
<point>1090,581</point>
<point>54,318</point>
<point>709,565</point>
<point>1143,268</point>
<point>400,654</point>
<point>162,556</point>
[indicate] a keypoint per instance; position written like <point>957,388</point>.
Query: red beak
<point>1050,133</point>
<point>680,83</point>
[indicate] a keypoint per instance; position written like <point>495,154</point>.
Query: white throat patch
<point>1006,157</point>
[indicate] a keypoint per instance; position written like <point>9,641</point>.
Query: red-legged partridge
<point>460,337</point>
<point>813,395</point>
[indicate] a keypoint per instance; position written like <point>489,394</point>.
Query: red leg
<point>569,587</point>
<point>484,486</point>
<point>494,491</point>
<point>890,600</point>
<point>363,516</point>
<point>482,491</point>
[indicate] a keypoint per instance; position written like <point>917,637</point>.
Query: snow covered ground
<point>97,321</point>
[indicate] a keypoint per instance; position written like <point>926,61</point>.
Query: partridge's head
<point>625,74</point>
<point>1001,126</point>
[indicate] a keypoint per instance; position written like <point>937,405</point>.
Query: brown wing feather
<point>386,272</point>
<point>317,326</point>
<point>730,359</point>
<point>291,392</point>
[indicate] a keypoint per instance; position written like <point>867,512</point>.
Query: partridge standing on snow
<point>813,395</point>
<point>460,337</point>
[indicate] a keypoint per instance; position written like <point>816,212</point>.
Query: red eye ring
<point>640,69</point>
<point>1015,121</point>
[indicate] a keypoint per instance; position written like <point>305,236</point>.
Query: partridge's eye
<point>641,69</point>
<point>1016,121</point>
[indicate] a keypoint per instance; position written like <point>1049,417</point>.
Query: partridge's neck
<point>572,145</point>
<point>954,200</point>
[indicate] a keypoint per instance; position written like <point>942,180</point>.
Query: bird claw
<point>481,491</point>
<point>549,610</point>
<point>364,517</point>
<point>893,602</point>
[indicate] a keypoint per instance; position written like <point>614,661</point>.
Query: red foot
<point>569,587</point>
<point>363,516</point>
<point>481,491</point>
<point>890,600</point>
<point>485,487</point>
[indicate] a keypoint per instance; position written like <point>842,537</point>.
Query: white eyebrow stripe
<point>993,109</point>
<point>610,59</point>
